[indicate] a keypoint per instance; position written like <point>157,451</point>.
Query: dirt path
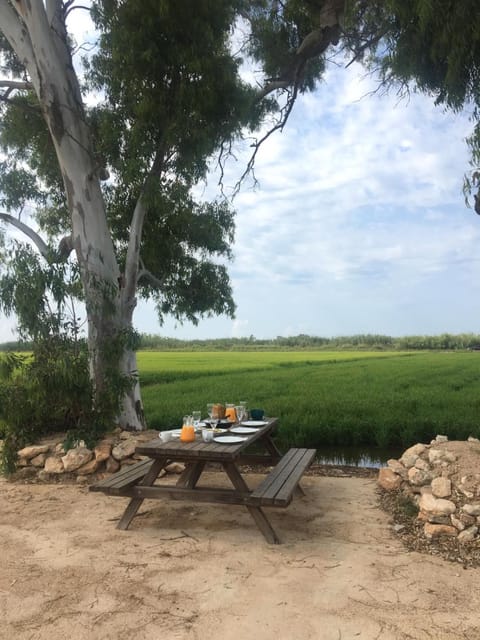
<point>187,572</point>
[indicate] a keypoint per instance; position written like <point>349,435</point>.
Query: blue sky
<point>358,223</point>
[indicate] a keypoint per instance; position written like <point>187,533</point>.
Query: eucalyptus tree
<point>115,178</point>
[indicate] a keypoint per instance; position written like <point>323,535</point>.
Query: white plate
<point>229,439</point>
<point>254,423</point>
<point>241,429</point>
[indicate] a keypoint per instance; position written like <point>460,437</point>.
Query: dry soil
<point>192,572</point>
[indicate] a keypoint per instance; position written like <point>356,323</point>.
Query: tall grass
<point>324,398</point>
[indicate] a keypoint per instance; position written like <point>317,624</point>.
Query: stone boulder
<point>31,452</point>
<point>76,458</point>
<point>389,480</point>
<point>54,465</point>
<point>102,451</point>
<point>124,449</point>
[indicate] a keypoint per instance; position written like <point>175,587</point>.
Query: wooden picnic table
<point>140,481</point>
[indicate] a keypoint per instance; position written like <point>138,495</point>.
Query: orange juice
<point>230,413</point>
<point>187,433</point>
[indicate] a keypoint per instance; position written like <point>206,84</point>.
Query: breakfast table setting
<point>227,440</point>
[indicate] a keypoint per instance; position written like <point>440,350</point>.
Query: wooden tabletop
<point>200,450</point>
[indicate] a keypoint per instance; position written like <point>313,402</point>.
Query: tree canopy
<point>408,45</point>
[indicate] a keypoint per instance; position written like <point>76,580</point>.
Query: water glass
<point>240,411</point>
<point>196,415</point>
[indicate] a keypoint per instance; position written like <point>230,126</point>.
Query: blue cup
<point>257,414</point>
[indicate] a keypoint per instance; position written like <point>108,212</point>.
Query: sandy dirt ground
<point>192,572</point>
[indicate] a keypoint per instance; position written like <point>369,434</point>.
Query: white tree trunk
<point>37,34</point>
<point>131,416</point>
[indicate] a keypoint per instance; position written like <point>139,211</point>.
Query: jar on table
<point>187,434</point>
<point>230,413</point>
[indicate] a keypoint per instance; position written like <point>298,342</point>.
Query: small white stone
<point>449,456</point>
<point>458,524</point>
<point>418,477</point>
<point>397,467</point>
<point>422,464</point>
<point>434,456</point>
<point>468,535</point>
<point>415,450</point>
<point>436,506</point>
<point>471,509</point>
<point>408,460</point>
<point>441,487</point>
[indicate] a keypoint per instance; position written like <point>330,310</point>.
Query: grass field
<point>324,398</point>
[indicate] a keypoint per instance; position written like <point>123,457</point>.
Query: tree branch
<point>28,231</point>
<point>153,280</point>
<point>16,84</point>
<point>12,27</point>
<point>54,8</point>
<point>313,44</point>
<point>136,227</point>
<point>78,6</point>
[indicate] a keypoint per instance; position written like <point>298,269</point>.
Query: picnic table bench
<point>275,490</point>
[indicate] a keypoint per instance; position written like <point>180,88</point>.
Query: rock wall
<point>48,461</point>
<point>443,479</point>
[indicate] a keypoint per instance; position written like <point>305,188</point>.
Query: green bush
<point>46,392</point>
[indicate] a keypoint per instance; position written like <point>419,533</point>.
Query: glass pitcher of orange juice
<point>187,434</point>
<point>230,413</point>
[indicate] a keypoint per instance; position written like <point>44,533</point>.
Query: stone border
<point>48,461</point>
<point>431,476</point>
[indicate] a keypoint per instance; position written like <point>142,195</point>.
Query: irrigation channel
<point>356,456</point>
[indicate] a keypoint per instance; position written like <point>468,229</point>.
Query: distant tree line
<point>358,342</point>
<point>302,341</point>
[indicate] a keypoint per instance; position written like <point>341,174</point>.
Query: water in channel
<point>356,456</point>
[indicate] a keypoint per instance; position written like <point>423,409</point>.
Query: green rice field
<point>375,399</point>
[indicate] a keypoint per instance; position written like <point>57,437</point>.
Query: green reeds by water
<point>324,398</point>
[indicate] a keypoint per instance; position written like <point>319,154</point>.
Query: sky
<point>357,224</point>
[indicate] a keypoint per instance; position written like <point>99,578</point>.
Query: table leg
<point>135,503</point>
<point>257,513</point>
<point>190,476</point>
<point>271,447</point>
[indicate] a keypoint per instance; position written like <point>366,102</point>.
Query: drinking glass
<point>243,403</point>
<point>211,410</point>
<point>240,411</point>
<point>196,415</point>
